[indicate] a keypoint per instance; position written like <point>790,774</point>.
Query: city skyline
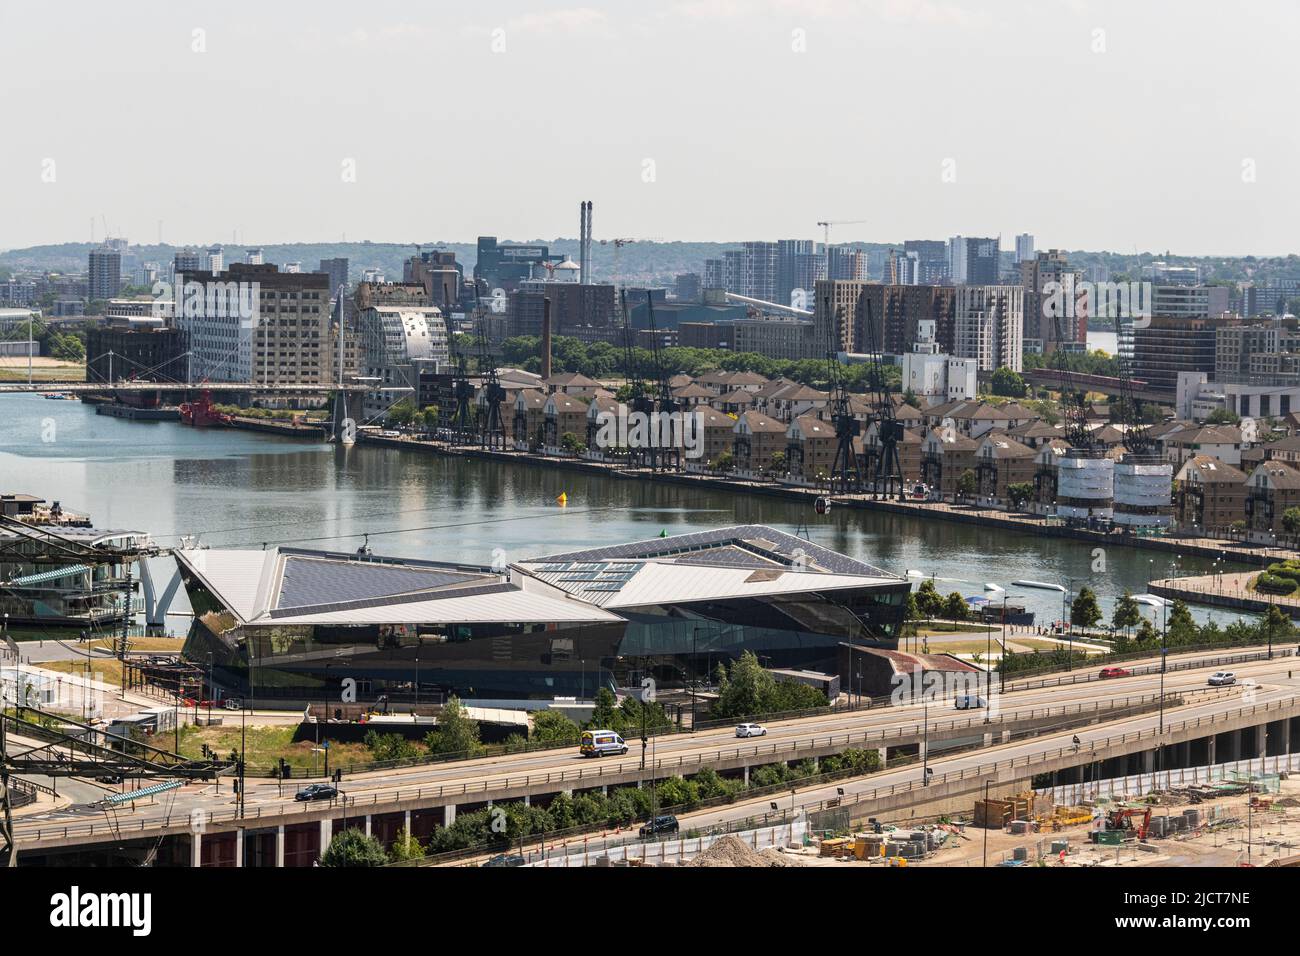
<point>273,131</point>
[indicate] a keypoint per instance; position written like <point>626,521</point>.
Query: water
<point>237,488</point>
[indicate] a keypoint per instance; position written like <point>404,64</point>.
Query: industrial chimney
<point>546,339</point>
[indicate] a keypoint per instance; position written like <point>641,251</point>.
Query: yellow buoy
<point>562,500</point>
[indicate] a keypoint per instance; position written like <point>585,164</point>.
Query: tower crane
<point>826,236</point>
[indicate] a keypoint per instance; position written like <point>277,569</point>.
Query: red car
<point>1108,672</point>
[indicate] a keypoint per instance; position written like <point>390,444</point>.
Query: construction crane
<point>618,245</point>
<point>826,236</point>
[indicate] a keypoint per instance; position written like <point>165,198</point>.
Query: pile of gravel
<point>733,851</point>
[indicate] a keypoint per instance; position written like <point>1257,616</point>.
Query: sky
<point>1145,125</point>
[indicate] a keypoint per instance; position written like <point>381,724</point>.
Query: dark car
<point>317,791</point>
<point>505,859</point>
<point>665,824</point>
<point>113,779</point>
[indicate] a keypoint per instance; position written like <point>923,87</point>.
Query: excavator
<point>1127,818</point>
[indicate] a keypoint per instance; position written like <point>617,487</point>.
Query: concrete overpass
<point>199,825</point>
<point>1105,384</point>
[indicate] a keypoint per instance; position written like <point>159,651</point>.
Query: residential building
<point>1001,461</point>
<point>399,344</point>
<point>931,259</point>
<point>811,445</point>
<point>105,273</point>
<point>1209,495</point>
<point>1271,489</point>
<point>989,326</point>
<point>757,441</point>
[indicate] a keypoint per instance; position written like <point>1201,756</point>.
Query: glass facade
<point>290,665</point>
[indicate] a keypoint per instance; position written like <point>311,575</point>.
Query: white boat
<point>913,573</point>
<point>1042,585</point>
<point>990,586</point>
<point>1151,600</point>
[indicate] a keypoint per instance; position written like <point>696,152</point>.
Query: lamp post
<point>925,737</point>
<point>695,636</point>
<point>986,823</point>
<point>211,688</point>
<point>243,751</point>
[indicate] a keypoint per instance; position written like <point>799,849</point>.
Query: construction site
<point>1247,821</point>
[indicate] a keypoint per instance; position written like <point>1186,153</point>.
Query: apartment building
<point>1209,495</point>
<point>989,326</point>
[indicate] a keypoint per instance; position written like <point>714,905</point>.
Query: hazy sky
<point>1141,123</point>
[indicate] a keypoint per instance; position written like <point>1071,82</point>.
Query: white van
<point>597,743</point>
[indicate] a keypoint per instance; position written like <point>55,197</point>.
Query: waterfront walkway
<point>1228,590</point>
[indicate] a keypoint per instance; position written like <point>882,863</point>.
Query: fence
<point>671,852</point>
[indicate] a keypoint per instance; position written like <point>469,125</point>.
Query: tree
<point>405,847</point>
<point>457,732</point>
<point>955,607</point>
<point>1084,611</point>
<point>966,484</point>
<point>1276,626</point>
<point>1019,493</point>
<point>572,444</point>
<point>353,848</point>
<point>1127,613</point>
<point>553,727</point>
<point>402,413</point>
<point>1221,416</point>
<point>1180,627</point>
<point>1007,382</point>
<point>1291,520</point>
<point>384,747</point>
<point>724,462</point>
<point>928,600</point>
<point>747,683</point>
<point>605,712</point>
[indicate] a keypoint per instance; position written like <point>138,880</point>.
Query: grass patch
<point>47,373</point>
<point>109,670</point>
<point>172,644</point>
<point>266,745</point>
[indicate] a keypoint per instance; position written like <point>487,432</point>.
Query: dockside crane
<point>492,433</point>
<point>664,451</point>
<point>1074,397</point>
<point>640,403</point>
<point>886,476</point>
<point>463,425</point>
<point>846,476</point>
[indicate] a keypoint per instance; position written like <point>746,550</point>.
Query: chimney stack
<point>546,339</point>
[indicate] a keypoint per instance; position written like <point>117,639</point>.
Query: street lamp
<point>925,737</point>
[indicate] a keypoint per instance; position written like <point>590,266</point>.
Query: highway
<point>374,789</point>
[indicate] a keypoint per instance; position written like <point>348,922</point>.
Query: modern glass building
<point>286,627</point>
